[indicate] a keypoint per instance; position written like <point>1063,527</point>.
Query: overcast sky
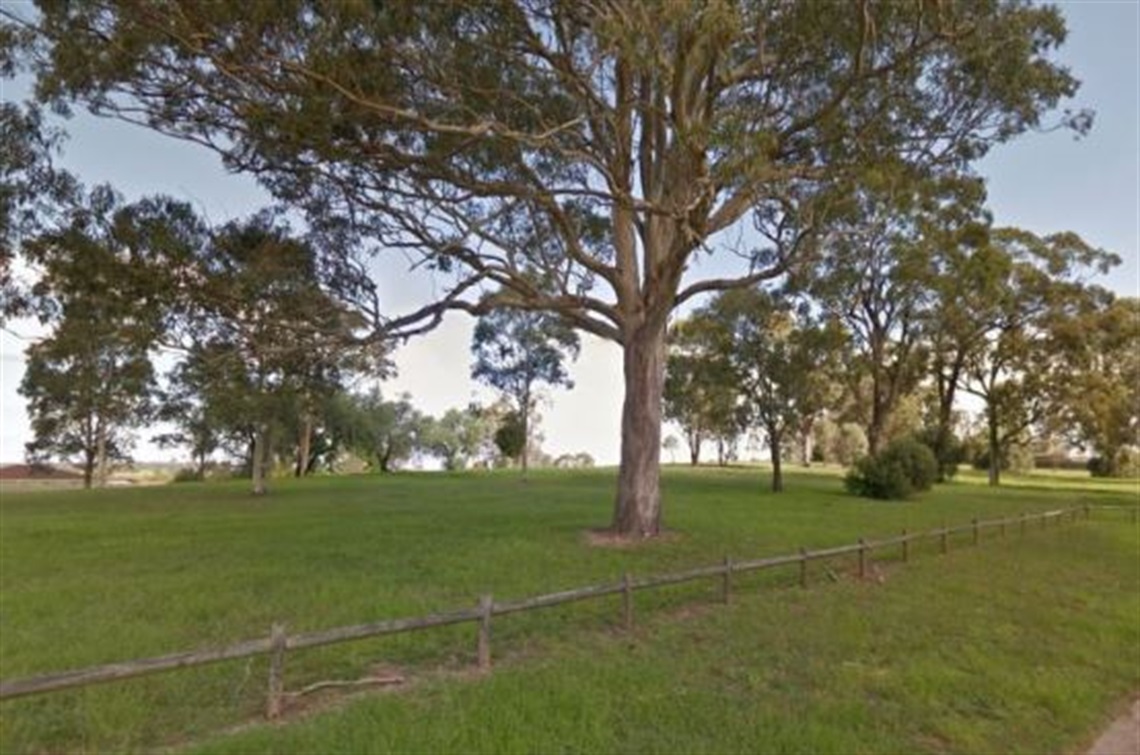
<point>1042,182</point>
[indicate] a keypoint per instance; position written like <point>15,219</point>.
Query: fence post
<point>905,547</point>
<point>862,558</point>
<point>277,642</point>
<point>944,545</point>
<point>627,602</point>
<point>486,606</point>
<point>803,567</point>
<point>975,523</point>
<point>726,583</point>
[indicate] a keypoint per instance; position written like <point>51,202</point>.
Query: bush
<point>949,451</point>
<point>1058,461</point>
<point>903,468</point>
<point>187,474</point>
<point>1124,463</point>
<point>1014,458</point>
<point>878,477</point>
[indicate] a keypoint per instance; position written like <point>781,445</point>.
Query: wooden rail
<point>278,642</point>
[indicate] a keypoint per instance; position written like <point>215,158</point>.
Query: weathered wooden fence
<point>279,642</point>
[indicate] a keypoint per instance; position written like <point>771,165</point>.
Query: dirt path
<point>1122,737</point>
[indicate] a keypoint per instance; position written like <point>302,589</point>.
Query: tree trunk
<point>637,510</point>
<point>101,452</point>
<point>947,387</point>
<point>774,442</point>
<point>807,442</point>
<point>942,447</point>
<point>260,451</point>
<point>526,430</point>
<point>875,428</point>
<point>304,447</point>
<point>201,459</point>
<point>995,449</point>
<point>694,440</point>
<point>88,469</point>
<point>878,411</point>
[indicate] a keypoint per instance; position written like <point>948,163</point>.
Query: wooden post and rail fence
<point>279,642</point>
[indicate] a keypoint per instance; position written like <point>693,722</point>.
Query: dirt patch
<point>609,539</point>
<point>1122,737</point>
<point>693,611</point>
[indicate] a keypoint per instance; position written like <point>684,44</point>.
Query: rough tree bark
<point>637,508</point>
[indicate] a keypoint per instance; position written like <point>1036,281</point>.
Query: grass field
<point>1021,645</point>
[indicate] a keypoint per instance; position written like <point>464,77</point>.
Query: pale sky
<point>1041,182</point>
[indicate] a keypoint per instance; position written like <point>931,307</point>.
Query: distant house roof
<point>36,472</point>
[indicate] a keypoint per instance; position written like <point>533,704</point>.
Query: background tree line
<point>919,301</point>
<point>264,327</point>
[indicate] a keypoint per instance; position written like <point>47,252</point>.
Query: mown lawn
<point>1019,645</point>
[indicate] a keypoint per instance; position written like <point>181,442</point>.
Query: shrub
<point>187,474</point>
<point>903,468</point>
<point>949,451</point>
<point>878,477</point>
<point>1124,463</point>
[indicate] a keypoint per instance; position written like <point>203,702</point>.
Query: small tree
<point>1020,366</point>
<point>699,393</point>
<point>776,361</point>
<point>1101,403</point>
<point>460,436</point>
<point>91,381</point>
<point>86,390</point>
<point>386,433</point>
<point>515,352</point>
<point>272,320</point>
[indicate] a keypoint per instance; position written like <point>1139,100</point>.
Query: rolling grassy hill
<point>1020,645</point>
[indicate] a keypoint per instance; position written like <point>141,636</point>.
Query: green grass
<point>1022,645</point>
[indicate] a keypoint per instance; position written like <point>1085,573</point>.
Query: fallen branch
<point>365,682</point>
